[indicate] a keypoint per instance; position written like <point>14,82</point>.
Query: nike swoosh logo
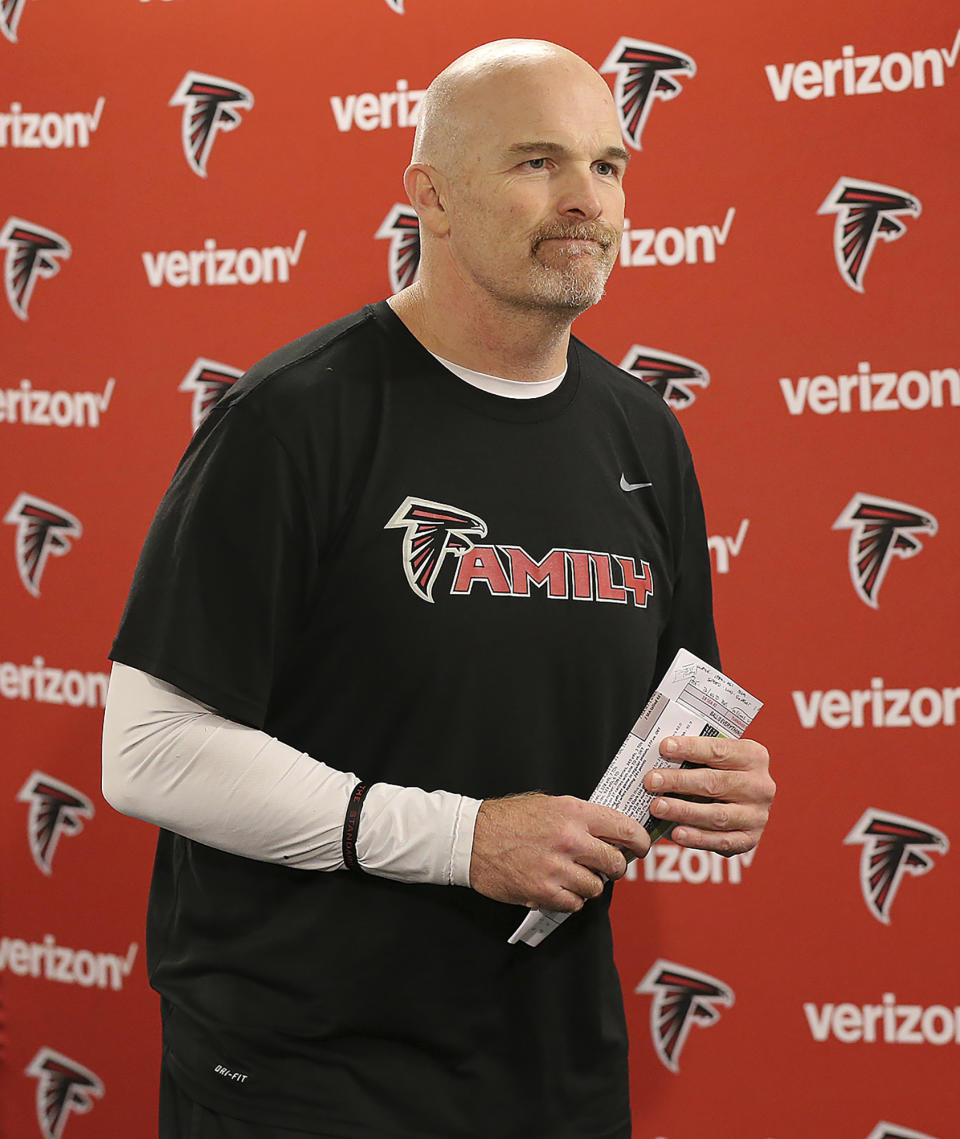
<point>624,485</point>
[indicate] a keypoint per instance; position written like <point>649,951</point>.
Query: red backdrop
<point>789,281</point>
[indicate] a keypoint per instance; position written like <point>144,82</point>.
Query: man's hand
<point>735,781</point>
<point>548,852</point>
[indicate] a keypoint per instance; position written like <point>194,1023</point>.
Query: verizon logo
<point>369,112</point>
<point>667,862</point>
<point>38,407</point>
<point>215,266</point>
<point>724,548</point>
<point>49,130</point>
<point>854,74</point>
<point>52,962</point>
<point>864,390</point>
<point>877,707</point>
<point>888,1023</point>
<point>46,685</point>
<point>672,246</point>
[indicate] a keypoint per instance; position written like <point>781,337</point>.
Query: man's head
<point>517,177</point>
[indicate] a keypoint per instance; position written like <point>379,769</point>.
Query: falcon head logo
<point>63,1086</point>
<point>881,529</point>
<point>892,846</point>
<point>402,227</point>
<point>209,382</point>
<point>42,529</point>
<point>433,530</point>
<point>674,377</point>
<point>55,809</point>
<point>894,1131</point>
<point>396,6</point>
<point>644,72</point>
<point>681,997</point>
<point>209,105</point>
<point>865,211</point>
<point>32,252</point>
<point>10,13</point>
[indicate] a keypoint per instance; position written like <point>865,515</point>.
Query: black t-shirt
<point>429,585</point>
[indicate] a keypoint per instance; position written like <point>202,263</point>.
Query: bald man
<point>412,582</point>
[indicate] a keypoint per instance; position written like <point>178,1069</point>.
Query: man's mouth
<point>585,242</point>
<point>590,239</point>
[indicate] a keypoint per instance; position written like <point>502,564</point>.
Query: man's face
<point>535,204</point>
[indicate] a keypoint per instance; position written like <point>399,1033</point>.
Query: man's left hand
<point>733,778</point>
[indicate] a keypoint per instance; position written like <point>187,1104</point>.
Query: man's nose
<point>579,195</point>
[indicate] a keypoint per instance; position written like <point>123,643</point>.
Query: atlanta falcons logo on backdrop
<point>402,227</point>
<point>396,5</point>
<point>31,253</point>
<point>895,1131</point>
<point>865,212</point>
<point>56,809</point>
<point>881,528</point>
<point>42,529</point>
<point>433,530</point>
<point>681,997</point>
<point>644,71</point>
<point>209,105</point>
<point>63,1086</point>
<point>209,382</point>
<point>892,846</point>
<point>10,13</point>
<point>673,377</point>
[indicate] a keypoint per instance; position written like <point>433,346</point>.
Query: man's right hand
<point>548,852</point>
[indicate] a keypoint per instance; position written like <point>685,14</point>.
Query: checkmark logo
<point>624,485</point>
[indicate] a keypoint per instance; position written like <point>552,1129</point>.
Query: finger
<point>602,858</point>
<point>569,891</point>
<point>616,828</point>
<point>583,882</point>
<point>715,751</point>
<point>709,783</point>
<point>712,817</point>
<point>722,842</point>
<point>560,900</point>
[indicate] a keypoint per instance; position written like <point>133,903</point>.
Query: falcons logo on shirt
<point>63,1086</point>
<point>644,72</point>
<point>892,846</point>
<point>10,13</point>
<point>32,252</point>
<point>881,528</point>
<point>209,105</point>
<point>681,997</point>
<point>55,809</point>
<point>865,211</point>
<point>402,227</point>
<point>42,529</point>
<point>433,530</point>
<point>673,377</point>
<point>894,1131</point>
<point>209,382</point>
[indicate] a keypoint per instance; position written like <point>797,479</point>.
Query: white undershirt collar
<point>497,385</point>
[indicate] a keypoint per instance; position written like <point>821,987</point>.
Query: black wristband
<point>351,825</point>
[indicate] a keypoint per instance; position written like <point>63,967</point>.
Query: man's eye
<point>536,163</point>
<point>605,168</point>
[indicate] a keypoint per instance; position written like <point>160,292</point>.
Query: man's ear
<point>424,188</point>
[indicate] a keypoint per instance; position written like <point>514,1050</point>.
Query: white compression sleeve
<point>176,763</point>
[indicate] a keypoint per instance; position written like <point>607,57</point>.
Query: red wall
<point>844,1010</point>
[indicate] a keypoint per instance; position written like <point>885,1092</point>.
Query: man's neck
<point>513,343</point>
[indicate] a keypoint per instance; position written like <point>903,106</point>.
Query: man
<point>443,546</point>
